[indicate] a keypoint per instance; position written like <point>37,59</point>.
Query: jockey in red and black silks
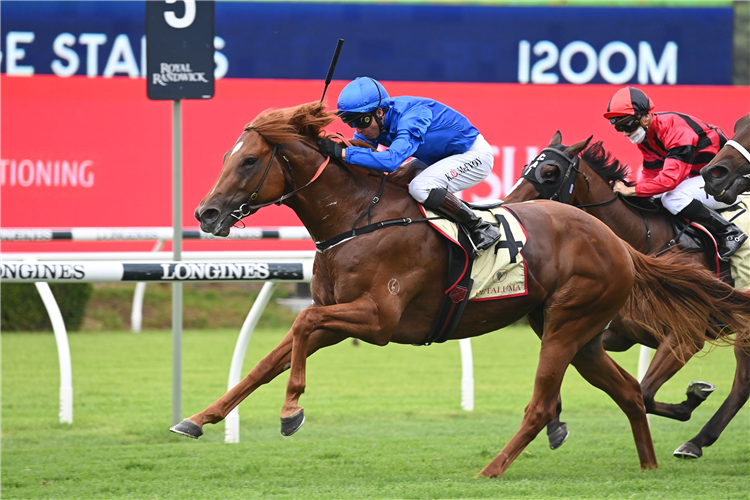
<point>675,146</point>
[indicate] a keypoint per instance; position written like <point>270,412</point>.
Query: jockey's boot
<point>482,233</point>
<point>729,238</point>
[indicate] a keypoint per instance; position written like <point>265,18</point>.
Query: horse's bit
<point>245,209</point>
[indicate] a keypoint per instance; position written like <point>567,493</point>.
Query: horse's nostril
<point>208,216</point>
<point>718,172</point>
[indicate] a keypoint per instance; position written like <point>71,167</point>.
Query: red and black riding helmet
<point>629,101</point>
<point>626,108</point>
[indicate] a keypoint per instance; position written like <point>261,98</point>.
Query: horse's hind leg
<point>669,358</point>
<point>595,365</point>
<point>738,396</point>
<point>554,358</point>
<point>557,431</point>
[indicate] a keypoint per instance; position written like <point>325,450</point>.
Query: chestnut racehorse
<point>386,285</point>
<point>728,174</point>
<point>649,232</point>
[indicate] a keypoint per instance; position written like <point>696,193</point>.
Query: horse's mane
<point>289,124</point>
<point>308,121</point>
<point>602,161</point>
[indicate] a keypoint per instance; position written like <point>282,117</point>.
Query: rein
<point>532,174</point>
<point>246,209</point>
<point>320,246</point>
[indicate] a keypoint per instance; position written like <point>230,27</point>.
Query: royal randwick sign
<point>180,50</point>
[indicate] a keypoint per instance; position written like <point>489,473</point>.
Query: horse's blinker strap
<point>561,191</point>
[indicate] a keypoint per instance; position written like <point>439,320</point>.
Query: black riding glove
<point>330,148</point>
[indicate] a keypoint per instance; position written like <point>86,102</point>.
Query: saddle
<point>495,273</point>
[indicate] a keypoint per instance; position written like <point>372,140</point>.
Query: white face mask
<point>638,136</point>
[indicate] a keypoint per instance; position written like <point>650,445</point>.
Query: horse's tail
<point>674,293</point>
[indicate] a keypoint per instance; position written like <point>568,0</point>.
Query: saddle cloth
<point>499,271</point>
<point>740,261</point>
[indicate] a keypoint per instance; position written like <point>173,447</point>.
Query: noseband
<point>739,147</point>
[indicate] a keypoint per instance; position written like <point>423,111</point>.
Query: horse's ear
<point>572,151</point>
<point>741,122</point>
<point>556,139</point>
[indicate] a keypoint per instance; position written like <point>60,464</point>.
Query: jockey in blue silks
<point>457,155</point>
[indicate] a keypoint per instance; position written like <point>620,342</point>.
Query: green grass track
<point>382,422</point>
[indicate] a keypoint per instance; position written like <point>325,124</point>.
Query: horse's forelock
<point>605,164</point>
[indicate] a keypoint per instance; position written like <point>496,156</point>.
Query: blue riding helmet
<point>363,95</point>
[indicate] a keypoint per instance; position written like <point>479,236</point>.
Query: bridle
<point>548,156</point>
<point>564,191</point>
<point>246,209</point>
<point>739,147</point>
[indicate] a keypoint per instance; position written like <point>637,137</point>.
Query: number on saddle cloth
<point>514,246</point>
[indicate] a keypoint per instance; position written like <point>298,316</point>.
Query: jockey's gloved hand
<point>330,148</point>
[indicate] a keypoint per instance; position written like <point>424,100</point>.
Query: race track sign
<point>180,49</point>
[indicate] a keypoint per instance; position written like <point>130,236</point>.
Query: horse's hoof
<point>290,425</point>
<point>187,428</point>
<point>688,450</point>
<point>558,436</point>
<point>700,389</point>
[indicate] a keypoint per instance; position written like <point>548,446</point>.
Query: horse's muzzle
<point>723,184</point>
<point>212,222</point>
<point>715,176</point>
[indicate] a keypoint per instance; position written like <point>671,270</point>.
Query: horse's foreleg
<point>737,398</point>
<point>361,318</point>
<point>595,365</point>
<point>669,358</point>
<point>276,362</point>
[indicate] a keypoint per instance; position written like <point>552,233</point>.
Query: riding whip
<point>332,68</point>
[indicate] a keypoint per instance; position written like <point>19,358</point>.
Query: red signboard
<point>80,152</point>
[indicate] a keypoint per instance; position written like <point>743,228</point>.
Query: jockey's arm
<point>383,161</point>
<point>669,177</point>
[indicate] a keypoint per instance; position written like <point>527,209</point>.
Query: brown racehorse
<point>728,174</point>
<point>648,231</point>
<point>386,286</point>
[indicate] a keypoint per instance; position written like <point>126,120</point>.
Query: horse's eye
<point>249,161</point>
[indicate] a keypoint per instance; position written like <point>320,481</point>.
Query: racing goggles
<point>626,124</point>
<point>358,120</point>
